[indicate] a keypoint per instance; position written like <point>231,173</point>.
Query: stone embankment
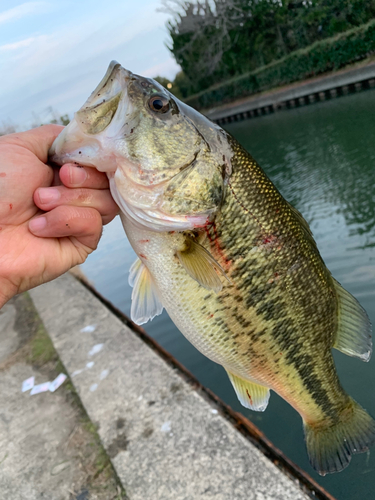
<point>299,94</point>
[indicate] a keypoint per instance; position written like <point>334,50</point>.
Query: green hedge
<point>320,57</point>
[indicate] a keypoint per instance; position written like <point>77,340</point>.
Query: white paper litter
<point>93,387</point>
<point>166,427</point>
<point>37,389</point>
<point>97,348</point>
<point>28,384</point>
<point>89,329</point>
<point>59,380</point>
<point>76,372</point>
<point>90,364</point>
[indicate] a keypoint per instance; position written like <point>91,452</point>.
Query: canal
<point>322,159</point>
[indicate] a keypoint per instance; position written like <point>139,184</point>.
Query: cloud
<point>61,66</point>
<point>17,45</point>
<point>84,45</point>
<point>22,10</point>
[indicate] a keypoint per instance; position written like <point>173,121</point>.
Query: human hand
<point>45,230</point>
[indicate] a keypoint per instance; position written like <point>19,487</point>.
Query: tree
<point>213,40</point>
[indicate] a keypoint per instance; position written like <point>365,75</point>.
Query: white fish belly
<point>190,306</point>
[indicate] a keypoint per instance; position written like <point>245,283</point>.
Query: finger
<point>74,176</point>
<point>48,198</point>
<point>38,140</point>
<point>82,223</point>
<point>56,177</point>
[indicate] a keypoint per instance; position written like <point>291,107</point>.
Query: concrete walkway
<point>49,449</point>
<point>165,441</point>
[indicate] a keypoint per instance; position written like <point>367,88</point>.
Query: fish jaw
<point>73,146</point>
<point>90,139</point>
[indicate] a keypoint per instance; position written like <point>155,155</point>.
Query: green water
<point>322,159</point>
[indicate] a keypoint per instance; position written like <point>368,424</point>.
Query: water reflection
<point>322,155</point>
<point>322,158</point>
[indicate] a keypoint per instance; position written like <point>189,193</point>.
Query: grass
<point>42,350</point>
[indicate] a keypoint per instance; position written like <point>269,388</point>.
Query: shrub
<point>320,57</point>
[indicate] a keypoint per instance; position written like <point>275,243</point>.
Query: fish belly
<point>195,311</point>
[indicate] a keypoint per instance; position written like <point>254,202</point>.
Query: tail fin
<point>330,447</point>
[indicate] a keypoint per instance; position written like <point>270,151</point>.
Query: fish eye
<point>159,103</point>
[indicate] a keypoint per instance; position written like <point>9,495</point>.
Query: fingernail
<point>36,225</point>
<point>48,195</point>
<point>77,176</point>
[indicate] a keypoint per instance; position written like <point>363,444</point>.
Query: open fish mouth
<point>165,162</point>
<point>99,119</point>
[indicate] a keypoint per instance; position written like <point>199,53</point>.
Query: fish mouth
<point>101,117</point>
<point>111,86</point>
<point>104,87</point>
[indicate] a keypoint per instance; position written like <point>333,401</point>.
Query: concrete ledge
<point>164,439</point>
<point>298,94</point>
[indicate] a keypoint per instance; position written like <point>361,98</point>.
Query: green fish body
<point>233,263</point>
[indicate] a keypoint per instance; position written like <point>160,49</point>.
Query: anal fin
<point>145,300</point>
<point>354,327</point>
<point>250,394</point>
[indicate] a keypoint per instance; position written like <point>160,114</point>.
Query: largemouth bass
<point>233,263</point>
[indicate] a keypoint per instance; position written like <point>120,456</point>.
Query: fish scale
<point>222,316</point>
<point>233,263</point>
<point>289,291</point>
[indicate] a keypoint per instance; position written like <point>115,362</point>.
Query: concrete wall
<point>299,94</point>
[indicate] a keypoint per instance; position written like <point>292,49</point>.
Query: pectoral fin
<point>250,394</point>
<point>201,266</point>
<point>145,300</point>
<point>354,327</point>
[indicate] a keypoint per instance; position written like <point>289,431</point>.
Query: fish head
<point>167,163</point>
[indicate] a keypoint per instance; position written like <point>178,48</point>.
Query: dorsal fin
<point>145,300</point>
<point>250,394</point>
<point>201,266</point>
<point>354,327</point>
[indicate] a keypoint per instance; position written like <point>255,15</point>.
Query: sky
<point>53,53</point>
